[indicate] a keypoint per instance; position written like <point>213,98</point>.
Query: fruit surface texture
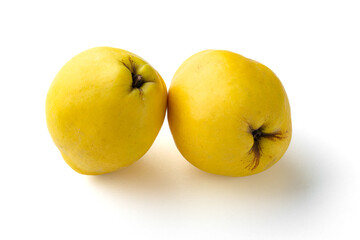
<point>104,109</point>
<point>228,114</point>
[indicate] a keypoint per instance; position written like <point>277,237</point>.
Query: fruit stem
<point>257,134</point>
<point>137,81</point>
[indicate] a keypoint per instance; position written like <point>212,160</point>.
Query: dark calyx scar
<point>258,134</point>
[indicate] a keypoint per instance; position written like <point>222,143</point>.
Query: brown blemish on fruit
<point>131,66</point>
<point>255,149</point>
<point>258,134</point>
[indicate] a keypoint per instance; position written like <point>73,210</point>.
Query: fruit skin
<point>96,118</point>
<point>228,114</point>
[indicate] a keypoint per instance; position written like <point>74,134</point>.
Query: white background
<point>312,193</point>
